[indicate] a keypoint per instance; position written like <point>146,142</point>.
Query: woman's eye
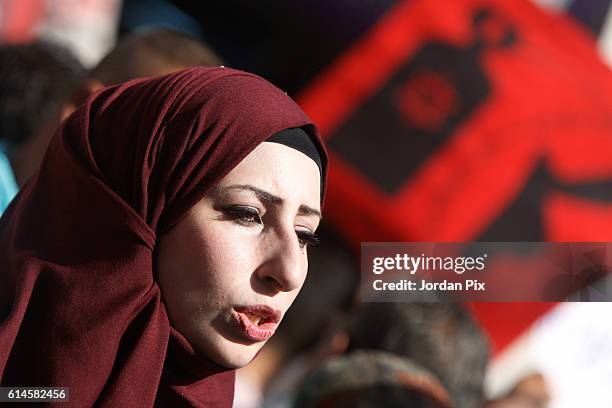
<point>307,238</point>
<point>242,215</point>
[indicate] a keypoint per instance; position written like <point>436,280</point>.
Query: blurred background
<point>454,121</point>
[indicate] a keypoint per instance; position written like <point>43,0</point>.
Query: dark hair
<point>152,53</point>
<point>36,81</point>
<point>442,337</point>
<point>370,379</point>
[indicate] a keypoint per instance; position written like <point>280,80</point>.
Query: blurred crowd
<point>332,350</point>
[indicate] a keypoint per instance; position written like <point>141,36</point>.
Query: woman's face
<point>232,267</point>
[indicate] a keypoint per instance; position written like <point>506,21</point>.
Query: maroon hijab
<point>79,305</point>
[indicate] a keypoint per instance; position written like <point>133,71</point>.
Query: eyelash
<point>307,238</point>
<point>248,216</point>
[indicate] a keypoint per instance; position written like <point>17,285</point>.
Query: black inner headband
<point>299,140</point>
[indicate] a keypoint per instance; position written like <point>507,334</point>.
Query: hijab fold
<point>79,305</point>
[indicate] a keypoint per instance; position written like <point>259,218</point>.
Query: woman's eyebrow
<point>307,210</point>
<point>271,198</point>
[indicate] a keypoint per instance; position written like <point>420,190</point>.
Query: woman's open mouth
<point>258,322</point>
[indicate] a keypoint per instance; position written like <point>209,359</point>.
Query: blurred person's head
<point>442,337</point>
<point>38,83</point>
<point>151,53</point>
<point>371,379</point>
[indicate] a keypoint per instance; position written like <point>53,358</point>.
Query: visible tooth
<point>253,318</point>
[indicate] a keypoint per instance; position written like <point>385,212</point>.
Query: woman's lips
<point>258,322</point>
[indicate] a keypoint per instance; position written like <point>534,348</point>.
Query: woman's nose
<point>284,268</point>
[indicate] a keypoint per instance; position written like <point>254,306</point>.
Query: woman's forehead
<point>278,170</point>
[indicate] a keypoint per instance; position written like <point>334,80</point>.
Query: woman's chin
<point>233,355</point>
